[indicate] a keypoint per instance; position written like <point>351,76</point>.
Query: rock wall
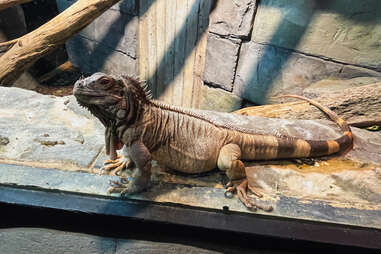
<point>108,44</point>
<point>261,48</point>
<point>255,49</point>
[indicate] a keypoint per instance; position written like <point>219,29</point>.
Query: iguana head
<point>101,94</point>
<point>110,98</point>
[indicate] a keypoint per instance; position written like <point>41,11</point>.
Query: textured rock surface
<point>329,86</point>
<point>347,31</point>
<point>109,43</point>
<point>265,70</point>
<point>219,100</point>
<point>220,61</point>
<point>233,18</point>
<point>359,106</point>
<point>350,181</point>
<point>47,130</point>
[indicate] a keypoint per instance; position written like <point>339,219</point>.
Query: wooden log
<point>65,67</point>
<point>8,3</point>
<point>32,46</point>
<point>360,107</point>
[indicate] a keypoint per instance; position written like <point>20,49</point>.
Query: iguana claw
<point>117,165</point>
<point>249,202</point>
<point>124,186</point>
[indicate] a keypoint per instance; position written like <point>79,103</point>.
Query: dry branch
<point>32,46</point>
<point>8,3</point>
<point>360,107</point>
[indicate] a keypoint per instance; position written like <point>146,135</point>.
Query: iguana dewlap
<point>186,140</point>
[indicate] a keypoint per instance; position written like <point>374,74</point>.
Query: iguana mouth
<point>86,92</point>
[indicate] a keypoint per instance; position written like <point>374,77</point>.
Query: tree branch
<point>44,39</point>
<point>8,3</point>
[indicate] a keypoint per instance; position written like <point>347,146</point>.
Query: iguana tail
<point>319,148</point>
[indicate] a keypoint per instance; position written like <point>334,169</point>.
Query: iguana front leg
<point>141,175</point>
<point>116,163</point>
<point>121,162</point>
<point>229,161</point>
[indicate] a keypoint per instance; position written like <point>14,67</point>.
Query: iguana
<point>186,140</point>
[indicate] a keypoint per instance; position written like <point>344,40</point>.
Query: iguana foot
<point>136,181</point>
<point>249,202</point>
<point>117,165</point>
<point>125,186</point>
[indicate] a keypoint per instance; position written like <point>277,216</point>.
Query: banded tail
<point>312,148</point>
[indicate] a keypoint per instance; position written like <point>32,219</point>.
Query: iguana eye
<point>104,81</point>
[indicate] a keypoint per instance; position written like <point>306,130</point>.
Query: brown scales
<point>286,144</point>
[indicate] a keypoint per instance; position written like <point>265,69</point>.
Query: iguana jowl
<point>186,140</point>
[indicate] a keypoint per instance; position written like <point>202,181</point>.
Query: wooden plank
<point>152,47</point>
<point>179,51</point>
<point>190,51</point>
<point>199,64</point>
<point>143,40</point>
<point>161,47</point>
<point>170,49</point>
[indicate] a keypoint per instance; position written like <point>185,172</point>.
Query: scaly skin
<point>186,140</point>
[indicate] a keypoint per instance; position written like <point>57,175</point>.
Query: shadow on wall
<point>100,51</point>
<point>273,53</point>
<point>293,24</point>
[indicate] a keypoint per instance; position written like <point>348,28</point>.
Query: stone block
<point>265,70</point>
<point>117,31</point>
<point>110,61</point>
<point>233,18</point>
<point>126,6</point>
<point>79,50</point>
<point>347,31</point>
<point>92,57</point>
<point>219,100</point>
<point>220,61</point>
<point>109,43</point>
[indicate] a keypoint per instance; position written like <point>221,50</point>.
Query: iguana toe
<point>114,167</point>
<point>128,185</point>
<point>249,202</point>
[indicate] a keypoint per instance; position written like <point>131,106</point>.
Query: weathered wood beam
<point>8,3</point>
<point>32,46</point>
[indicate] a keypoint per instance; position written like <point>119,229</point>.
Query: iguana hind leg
<point>229,161</point>
<point>141,175</point>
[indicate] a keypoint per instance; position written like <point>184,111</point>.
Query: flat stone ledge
<point>202,197</point>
